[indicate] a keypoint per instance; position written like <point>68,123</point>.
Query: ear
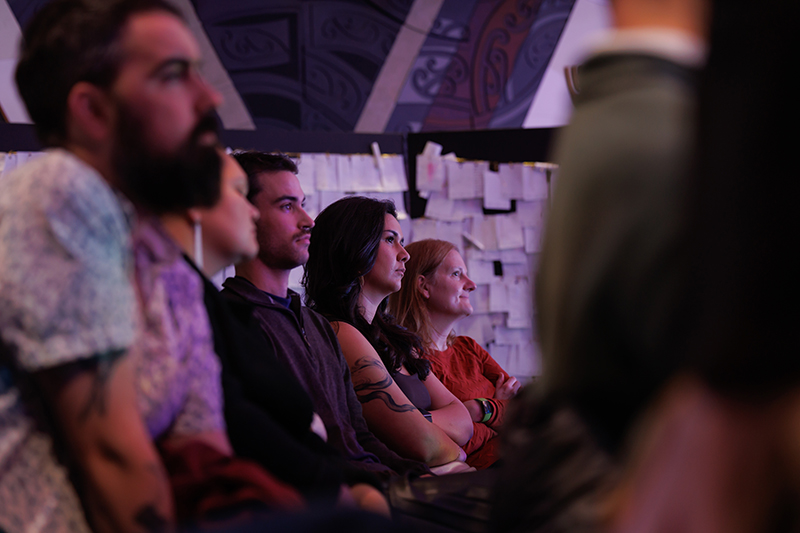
<point>195,215</point>
<point>90,113</point>
<point>422,286</point>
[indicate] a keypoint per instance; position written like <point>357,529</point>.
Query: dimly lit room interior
<point>579,275</point>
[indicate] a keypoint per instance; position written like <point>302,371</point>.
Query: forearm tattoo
<point>374,388</point>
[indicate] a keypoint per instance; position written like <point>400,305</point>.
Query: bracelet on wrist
<point>488,409</point>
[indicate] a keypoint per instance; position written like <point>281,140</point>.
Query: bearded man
<point>114,91</point>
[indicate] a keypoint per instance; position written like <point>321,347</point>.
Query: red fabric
<point>469,372</point>
<point>208,484</point>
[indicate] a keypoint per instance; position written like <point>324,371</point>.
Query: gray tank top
<point>414,389</point>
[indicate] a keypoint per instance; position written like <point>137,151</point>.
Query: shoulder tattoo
<point>374,387</point>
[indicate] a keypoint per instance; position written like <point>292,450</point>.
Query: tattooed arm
<point>389,413</point>
<point>122,480</point>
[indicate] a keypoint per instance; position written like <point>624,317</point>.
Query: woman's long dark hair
<point>344,246</point>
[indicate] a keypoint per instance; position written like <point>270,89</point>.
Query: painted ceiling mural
<point>303,65</point>
<point>481,65</point>
<point>310,65</point>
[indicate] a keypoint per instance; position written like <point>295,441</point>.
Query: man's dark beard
<point>190,177</point>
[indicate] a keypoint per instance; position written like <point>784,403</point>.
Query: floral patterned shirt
<point>178,373</point>
<point>66,294</point>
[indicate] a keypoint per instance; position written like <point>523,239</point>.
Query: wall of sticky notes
<point>486,192</point>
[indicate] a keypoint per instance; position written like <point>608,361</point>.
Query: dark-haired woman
<point>356,260</point>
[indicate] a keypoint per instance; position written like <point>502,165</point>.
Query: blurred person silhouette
<point>719,451</point>
<point>113,89</point>
<point>609,268</point>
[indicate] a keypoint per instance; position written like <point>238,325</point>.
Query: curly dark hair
<point>344,246</point>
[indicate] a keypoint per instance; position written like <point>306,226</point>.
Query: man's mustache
<point>302,233</point>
